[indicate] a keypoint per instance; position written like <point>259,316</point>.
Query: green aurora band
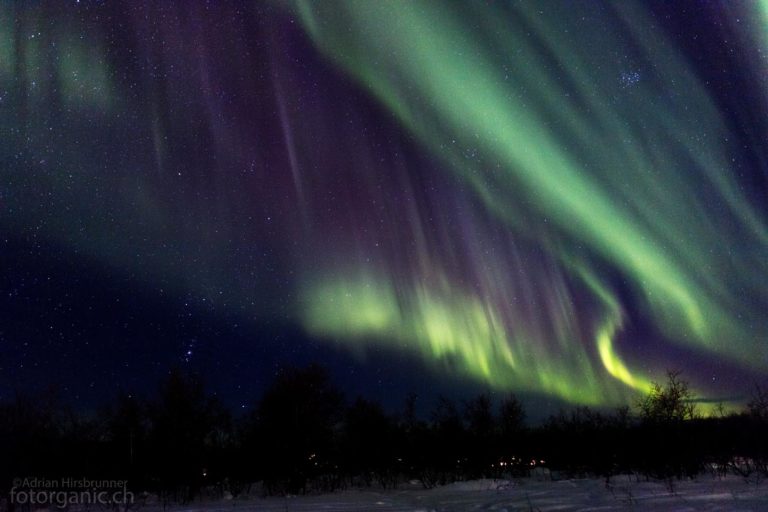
<point>81,79</point>
<point>458,329</point>
<point>595,171</point>
<point>576,180</point>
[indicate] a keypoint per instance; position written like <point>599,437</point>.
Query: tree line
<point>303,436</point>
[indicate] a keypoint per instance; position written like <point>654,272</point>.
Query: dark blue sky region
<point>558,200</point>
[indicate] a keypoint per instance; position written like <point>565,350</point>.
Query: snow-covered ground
<point>624,493</point>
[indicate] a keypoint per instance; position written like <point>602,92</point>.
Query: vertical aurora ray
<point>463,332</point>
<point>571,157</point>
<point>763,19</point>
<point>7,46</point>
<point>559,198</point>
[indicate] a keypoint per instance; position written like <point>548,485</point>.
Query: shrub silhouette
<point>670,435</point>
<point>672,402</point>
<point>182,444</point>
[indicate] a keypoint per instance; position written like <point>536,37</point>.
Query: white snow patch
<point>528,494</point>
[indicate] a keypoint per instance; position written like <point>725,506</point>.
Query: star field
<point>560,200</point>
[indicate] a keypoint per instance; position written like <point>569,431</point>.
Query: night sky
<point>558,199</point>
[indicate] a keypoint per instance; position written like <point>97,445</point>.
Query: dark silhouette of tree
<point>511,452</point>
<point>417,447</point>
<point>296,424</point>
<point>754,441</point>
<point>511,417</point>
<point>758,403</point>
<point>672,402</point>
<point>572,437</point>
<point>482,437</point>
<point>373,450</point>
<point>181,443</point>
<point>409,416</point>
<point>126,427</point>
<point>185,422</point>
<point>479,416</point>
<point>31,430</point>
<point>670,437</point>
<point>444,448</point>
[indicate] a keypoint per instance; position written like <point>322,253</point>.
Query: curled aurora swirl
<point>595,175</point>
<point>558,198</point>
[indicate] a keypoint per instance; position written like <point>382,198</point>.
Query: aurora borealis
<point>559,199</point>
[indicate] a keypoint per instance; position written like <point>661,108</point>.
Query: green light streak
<point>458,330</point>
<point>65,61</point>
<point>7,46</point>
<point>640,175</point>
<point>606,333</point>
<point>83,76</point>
